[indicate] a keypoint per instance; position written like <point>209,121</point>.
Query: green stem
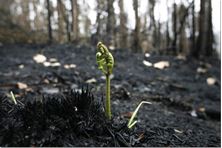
<point>108,108</point>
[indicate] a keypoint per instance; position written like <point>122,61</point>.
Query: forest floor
<point>185,97</point>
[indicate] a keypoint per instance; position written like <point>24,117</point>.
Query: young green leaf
<point>131,122</point>
<point>13,97</point>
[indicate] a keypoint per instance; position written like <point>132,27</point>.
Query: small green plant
<point>13,97</point>
<point>105,63</point>
<point>132,122</point>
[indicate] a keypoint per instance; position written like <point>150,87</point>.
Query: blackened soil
<point>185,110</point>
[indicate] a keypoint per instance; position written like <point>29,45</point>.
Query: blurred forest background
<point>184,30</point>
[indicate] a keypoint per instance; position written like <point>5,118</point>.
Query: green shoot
<point>13,97</point>
<point>131,122</point>
<point>105,63</point>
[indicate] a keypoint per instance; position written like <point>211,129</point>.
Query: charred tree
<point>86,20</point>
<point>193,32</point>
<point>182,14</point>
<point>123,28</point>
<point>98,19</point>
<point>75,19</point>
<point>100,8</point>
<point>60,21</point>
<point>210,36</point>
<point>136,42</point>
<point>110,26</point>
<point>174,43</point>
<point>167,28</point>
<point>158,35</point>
<point>50,38</point>
<point>68,30</point>
<point>205,38</point>
<point>6,14</point>
<point>179,23</point>
<point>153,26</point>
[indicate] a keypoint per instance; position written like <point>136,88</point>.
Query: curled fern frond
<point>105,63</point>
<point>104,59</point>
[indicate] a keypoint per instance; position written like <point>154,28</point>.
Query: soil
<point>63,106</point>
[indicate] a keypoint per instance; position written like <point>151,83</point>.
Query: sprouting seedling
<point>132,122</point>
<point>13,97</point>
<point>105,63</point>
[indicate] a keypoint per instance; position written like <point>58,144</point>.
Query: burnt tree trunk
<point>136,43</point>
<point>182,39</point>
<point>179,22</point>
<point>210,36</point>
<point>37,22</point>
<point>193,36</point>
<point>123,29</point>
<point>167,28</point>
<point>205,38</point>
<point>153,26</point>
<point>75,20</point>
<point>98,28</point>
<point>174,43</point>
<point>110,26</point>
<point>68,30</point>
<point>50,38</point>
<point>60,21</point>
<point>158,37</point>
<point>100,7</point>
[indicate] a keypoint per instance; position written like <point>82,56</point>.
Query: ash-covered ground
<point>184,92</point>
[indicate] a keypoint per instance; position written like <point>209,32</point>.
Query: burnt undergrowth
<point>75,118</point>
<point>69,119</point>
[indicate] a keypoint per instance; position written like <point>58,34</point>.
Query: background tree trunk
<point>101,7</point>
<point>50,38</point>
<point>110,23</point>
<point>167,28</point>
<point>26,15</point>
<point>174,43</point>
<point>193,33</point>
<point>136,43</point>
<point>37,22</point>
<point>60,21</point>
<point>182,16</point>
<point>68,30</point>
<point>209,33</point>
<point>153,26</point>
<point>205,37</point>
<point>123,28</point>
<point>158,35</point>
<point>75,19</point>
<point>98,19</point>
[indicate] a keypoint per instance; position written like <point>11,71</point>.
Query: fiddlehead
<point>105,63</point>
<point>104,59</point>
